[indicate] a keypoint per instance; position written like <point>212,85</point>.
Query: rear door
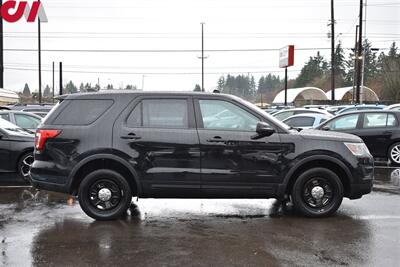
<point>159,135</point>
<point>232,164</point>
<point>376,130</point>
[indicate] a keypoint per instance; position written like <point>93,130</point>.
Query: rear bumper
<point>46,176</point>
<point>358,190</point>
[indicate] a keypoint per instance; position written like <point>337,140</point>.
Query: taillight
<point>43,135</point>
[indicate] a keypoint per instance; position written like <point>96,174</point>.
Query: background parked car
<point>40,110</point>
<point>24,120</point>
<point>284,114</point>
<point>307,120</point>
<point>360,107</point>
<point>379,129</point>
<point>16,149</point>
<point>393,107</point>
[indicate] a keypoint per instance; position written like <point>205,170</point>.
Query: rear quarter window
<point>82,111</point>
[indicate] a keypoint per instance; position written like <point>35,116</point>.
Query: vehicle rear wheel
<point>317,192</point>
<point>24,166</point>
<point>394,154</point>
<point>104,195</point>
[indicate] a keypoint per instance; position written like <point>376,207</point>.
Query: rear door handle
<point>131,136</point>
<point>387,132</point>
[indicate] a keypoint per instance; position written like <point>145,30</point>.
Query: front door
<point>232,164</point>
<point>160,137</point>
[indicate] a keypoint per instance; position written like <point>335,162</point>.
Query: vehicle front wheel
<point>394,154</point>
<point>317,192</point>
<point>104,195</point>
<point>24,166</point>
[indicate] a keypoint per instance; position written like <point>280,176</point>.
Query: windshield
<point>269,117</point>
<point>10,128</point>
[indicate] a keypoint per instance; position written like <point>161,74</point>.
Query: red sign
<point>286,56</point>
<point>10,12</point>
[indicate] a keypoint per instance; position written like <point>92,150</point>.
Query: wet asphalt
<point>42,229</point>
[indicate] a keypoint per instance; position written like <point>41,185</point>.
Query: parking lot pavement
<point>51,230</point>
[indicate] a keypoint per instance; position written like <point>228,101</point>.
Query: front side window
<point>222,115</point>
<point>160,113</point>
<point>348,122</point>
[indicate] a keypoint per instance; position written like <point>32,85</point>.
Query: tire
<point>24,165</point>
<point>394,154</point>
<point>317,192</point>
<point>104,195</point>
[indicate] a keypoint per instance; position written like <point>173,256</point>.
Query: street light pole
<point>202,56</point>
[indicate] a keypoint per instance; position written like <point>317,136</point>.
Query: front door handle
<point>216,139</point>
<point>387,132</point>
<point>131,136</point>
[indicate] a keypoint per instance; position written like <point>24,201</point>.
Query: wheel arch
<point>104,161</point>
<point>322,161</point>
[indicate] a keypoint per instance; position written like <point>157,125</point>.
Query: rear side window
<point>5,117</point>
<point>379,120</point>
<point>300,122</point>
<point>160,113</point>
<point>82,112</point>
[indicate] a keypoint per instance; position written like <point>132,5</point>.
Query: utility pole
<point>53,81</point>
<point>40,64</point>
<point>61,85</point>
<point>363,57</point>
<point>1,52</point>
<point>202,56</point>
<point>359,55</point>
<point>332,52</point>
<point>355,66</point>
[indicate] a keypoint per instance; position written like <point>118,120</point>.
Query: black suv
<point>108,147</point>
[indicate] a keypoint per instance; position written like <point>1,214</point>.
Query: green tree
<point>82,88</point>
<point>26,92</point>
<point>197,88</point>
<point>391,73</point>
<point>130,87</point>
<point>110,87</point>
<point>315,68</point>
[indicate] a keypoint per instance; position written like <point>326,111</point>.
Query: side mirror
<point>325,128</point>
<point>263,130</point>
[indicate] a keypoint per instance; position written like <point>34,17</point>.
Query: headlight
<point>358,149</point>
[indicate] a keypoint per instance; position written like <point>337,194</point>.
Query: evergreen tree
<point>197,88</point>
<point>26,92</point>
<point>46,92</point>
<point>315,68</point>
<point>130,87</point>
<point>391,73</point>
<point>82,88</point>
<point>70,88</point>
<point>110,87</point>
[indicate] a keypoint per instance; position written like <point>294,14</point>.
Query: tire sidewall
<point>84,196</point>
<point>298,187</point>
<point>390,154</point>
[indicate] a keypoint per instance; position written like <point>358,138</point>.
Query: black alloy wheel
<point>24,166</point>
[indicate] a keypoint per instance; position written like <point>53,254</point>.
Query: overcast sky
<point>175,25</point>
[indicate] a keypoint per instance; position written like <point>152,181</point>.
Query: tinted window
<point>300,122</point>
<point>379,120</point>
<point>25,121</point>
<point>348,122</point>
<point>161,113</point>
<point>284,115</point>
<point>5,117</point>
<point>82,112</point>
<point>218,114</point>
<point>135,118</point>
